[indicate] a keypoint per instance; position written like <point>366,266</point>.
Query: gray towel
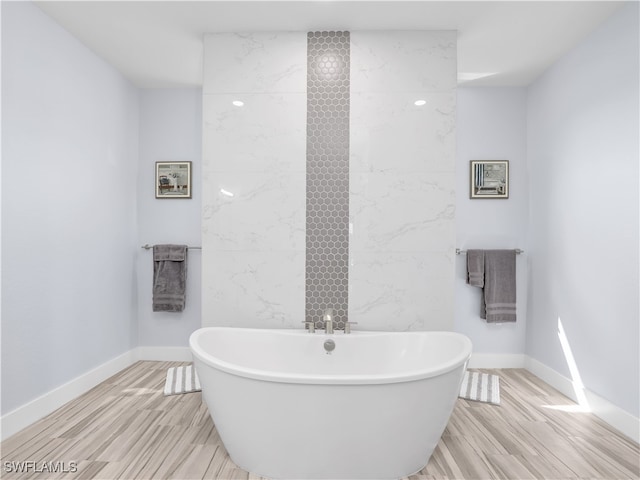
<point>475,268</point>
<point>498,271</point>
<point>500,285</point>
<point>169,277</point>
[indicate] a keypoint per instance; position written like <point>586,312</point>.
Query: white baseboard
<point>29,413</point>
<point>553,378</point>
<point>497,360</point>
<point>165,354</point>
<point>34,410</point>
<point>618,418</point>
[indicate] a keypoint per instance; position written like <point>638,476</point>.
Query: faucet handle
<point>347,326</point>
<point>311,326</point>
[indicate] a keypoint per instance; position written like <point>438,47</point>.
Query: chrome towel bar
<point>149,247</point>
<point>462,252</point>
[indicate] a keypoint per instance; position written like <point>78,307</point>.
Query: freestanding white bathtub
<point>374,408</point>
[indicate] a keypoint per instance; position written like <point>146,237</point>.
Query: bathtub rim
<point>452,363</point>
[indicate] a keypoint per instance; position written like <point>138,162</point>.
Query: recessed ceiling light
<point>420,103</point>
<point>238,103</point>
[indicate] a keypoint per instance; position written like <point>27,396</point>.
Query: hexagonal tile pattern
<point>327,242</point>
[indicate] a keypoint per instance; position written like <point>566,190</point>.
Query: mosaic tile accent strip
<point>327,223</point>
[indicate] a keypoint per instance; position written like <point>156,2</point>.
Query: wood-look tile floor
<point>126,429</point>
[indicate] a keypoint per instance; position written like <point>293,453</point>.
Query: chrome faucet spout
<point>328,326</point>
<point>328,320</point>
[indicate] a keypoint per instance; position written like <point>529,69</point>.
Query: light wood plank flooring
<point>126,429</point>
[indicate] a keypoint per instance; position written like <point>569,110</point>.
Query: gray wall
<point>69,155</point>
<point>583,144</point>
<point>492,126</point>
<point>170,130</point>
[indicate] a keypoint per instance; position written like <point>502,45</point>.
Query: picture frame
<point>173,179</point>
<point>489,179</point>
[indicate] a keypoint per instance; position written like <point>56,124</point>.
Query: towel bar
<point>461,252</point>
<point>149,247</point>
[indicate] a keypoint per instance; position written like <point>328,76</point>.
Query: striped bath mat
<point>182,379</point>
<point>481,387</point>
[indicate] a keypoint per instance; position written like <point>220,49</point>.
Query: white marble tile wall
<point>402,180</point>
<point>402,204</point>
<point>398,291</point>
<point>403,61</point>
<point>270,62</point>
<point>253,185</point>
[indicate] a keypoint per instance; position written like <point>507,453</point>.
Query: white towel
<point>181,380</point>
<point>481,387</point>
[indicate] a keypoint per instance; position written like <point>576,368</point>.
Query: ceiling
<point>159,43</point>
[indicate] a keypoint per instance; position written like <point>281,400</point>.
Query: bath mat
<point>182,379</point>
<point>480,387</point>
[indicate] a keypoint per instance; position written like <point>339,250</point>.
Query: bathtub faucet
<point>347,326</point>
<point>328,320</point>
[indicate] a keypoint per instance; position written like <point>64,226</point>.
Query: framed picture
<point>173,179</point>
<point>489,179</point>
